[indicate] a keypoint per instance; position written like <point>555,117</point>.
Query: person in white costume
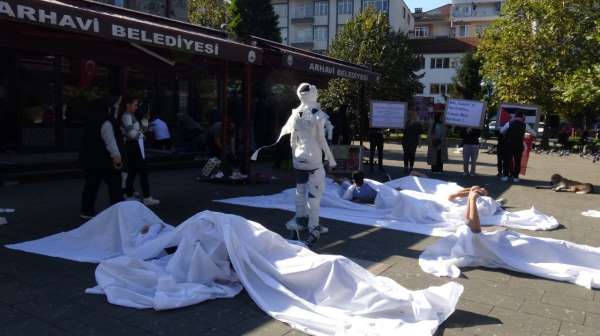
<point>544,257</point>
<point>307,126</point>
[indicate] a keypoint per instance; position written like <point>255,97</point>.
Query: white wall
<point>438,76</point>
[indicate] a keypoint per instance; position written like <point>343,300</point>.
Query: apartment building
<point>442,36</point>
<point>313,24</point>
<point>175,9</point>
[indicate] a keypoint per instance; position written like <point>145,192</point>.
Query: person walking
<point>410,141</point>
<point>437,150</point>
<point>376,144</point>
<point>100,157</point>
<point>161,133</point>
<point>470,138</point>
<point>513,132</point>
<point>134,149</point>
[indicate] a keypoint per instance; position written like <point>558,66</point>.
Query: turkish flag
<point>504,117</point>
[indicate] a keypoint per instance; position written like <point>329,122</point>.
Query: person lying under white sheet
<point>543,257</point>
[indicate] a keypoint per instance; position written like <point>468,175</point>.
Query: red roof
<point>443,45</point>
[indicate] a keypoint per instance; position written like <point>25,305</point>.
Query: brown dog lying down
<point>559,183</point>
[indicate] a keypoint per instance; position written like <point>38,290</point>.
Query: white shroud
<point>544,257</point>
<point>218,254</point>
<point>421,207</point>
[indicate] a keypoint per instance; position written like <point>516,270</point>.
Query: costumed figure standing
<point>307,126</point>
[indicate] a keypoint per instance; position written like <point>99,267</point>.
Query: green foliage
<point>208,13</point>
<point>253,17</point>
<point>542,52</point>
<point>368,39</point>
<point>467,82</point>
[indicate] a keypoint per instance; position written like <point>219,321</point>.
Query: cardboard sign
<point>506,111</point>
<point>347,157</point>
<point>388,114</point>
<point>465,113</point>
<point>424,108</point>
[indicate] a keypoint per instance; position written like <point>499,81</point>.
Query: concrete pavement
<point>43,295</point>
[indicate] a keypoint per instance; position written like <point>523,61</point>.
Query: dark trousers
<point>500,155</point>
<point>410,153</point>
<point>376,143</point>
<point>439,166</point>
<point>93,179</point>
<point>164,144</point>
<point>136,165</point>
<point>512,161</point>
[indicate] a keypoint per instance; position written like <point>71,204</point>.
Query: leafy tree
<point>539,50</point>
<point>467,82</point>
<point>253,17</point>
<point>369,39</point>
<point>208,13</point>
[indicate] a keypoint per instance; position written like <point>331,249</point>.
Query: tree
<point>208,13</point>
<point>538,46</point>
<point>467,82</point>
<point>368,39</point>
<point>253,17</point>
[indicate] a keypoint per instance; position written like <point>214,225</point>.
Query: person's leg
<point>372,146</point>
<point>517,154</point>
<point>466,157</point>
<point>316,185</point>
<point>474,156</point>
<point>500,157</point>
<point>144,183</point>
<point>301,194</point>
<point>90,191</point>
<point>406,156</point>
<point>506,162</point>
<point>380,151</point>
<point>440,161</point>
<point>113,182</point>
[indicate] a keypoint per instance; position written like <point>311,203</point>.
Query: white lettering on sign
<point>388,114</point>
<point>74,22</point>
<point>326,69</point>
<point>351,75</point>
<point>465,113</point>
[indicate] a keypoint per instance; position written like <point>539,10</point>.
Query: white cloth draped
<point>544,257</point>
<point>421,206</point>
<point>218,254</point>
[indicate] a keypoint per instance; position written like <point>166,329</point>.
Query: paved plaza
<point>45,296</point>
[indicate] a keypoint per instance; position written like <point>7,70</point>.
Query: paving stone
<point>592,320</point>
<point>568,329</point>
<point>498,300</point>
<point>526,322</point>
<point>259,326</point>
<point>572,302</point>
<point>28,326</point>
<point>558,313</point>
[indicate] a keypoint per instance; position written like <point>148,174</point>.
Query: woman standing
<point>470,139</point>
<point>410,141</point>
<point>437,151</point>
<point>134,149</point>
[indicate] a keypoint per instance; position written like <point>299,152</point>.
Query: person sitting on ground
<point>358,191</point>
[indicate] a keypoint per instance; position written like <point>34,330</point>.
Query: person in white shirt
<point>162,136</point>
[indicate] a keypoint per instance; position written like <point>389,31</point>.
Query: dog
<point>559,183</point>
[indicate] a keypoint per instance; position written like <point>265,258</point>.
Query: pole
<point>225,114</point>
<point>247,114</point>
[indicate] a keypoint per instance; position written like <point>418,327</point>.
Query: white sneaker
<point>323,229</point>
<point>149,201</point>
<point>504,179</point>
<point>516,180</point>
<point>236,175</point>
<point>217,175</point>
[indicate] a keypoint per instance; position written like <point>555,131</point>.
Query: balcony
<point>309,45</point>
<point>303,14</point>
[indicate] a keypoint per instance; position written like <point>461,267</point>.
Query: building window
<point>420,89</point>
<point>284,35</point>
<point>344,7</point>
<point>404,12</point>
<point>409,19</point>
<point>321,8</point>
<point>440,63</point>
<point>434,89</point>
<point>281,9</point>
<point>421,31</point>
<point>156,7</point>
<point>440,89</point>
<point>380,5</point>
<point>304,35</point>
<point>340,27</point>
<point>421,61</point>
<point>304,10</point>
<point>462,31</point>
<point>320,34</point>
<point>480,29</point>
<point>178,9</point>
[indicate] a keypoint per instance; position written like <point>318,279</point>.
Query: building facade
<point>312,25</point>
<point>442,36</point>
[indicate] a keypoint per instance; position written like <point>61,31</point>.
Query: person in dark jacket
<point>513,132</point>
<point>100,157</point>
<point>376,144</point>
<point>470,140</point>
<point>410,141</point>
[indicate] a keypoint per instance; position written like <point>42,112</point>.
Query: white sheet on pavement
<point>591,213</point>
<point>109,234</point>
<point>544,257</point>
<point>421,207</point>
<point>218,253</point>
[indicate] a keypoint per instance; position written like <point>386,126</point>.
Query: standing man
<point>376,143</point>
<point>513,133</point>
<point>100,157</point>
<point>470,139</point>
<point>437,150</point>
<point>307,139</point>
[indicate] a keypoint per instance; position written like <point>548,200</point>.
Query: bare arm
<point>465,192</point>
<point>472,215</point>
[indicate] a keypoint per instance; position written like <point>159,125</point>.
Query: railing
<point>486,13</point>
